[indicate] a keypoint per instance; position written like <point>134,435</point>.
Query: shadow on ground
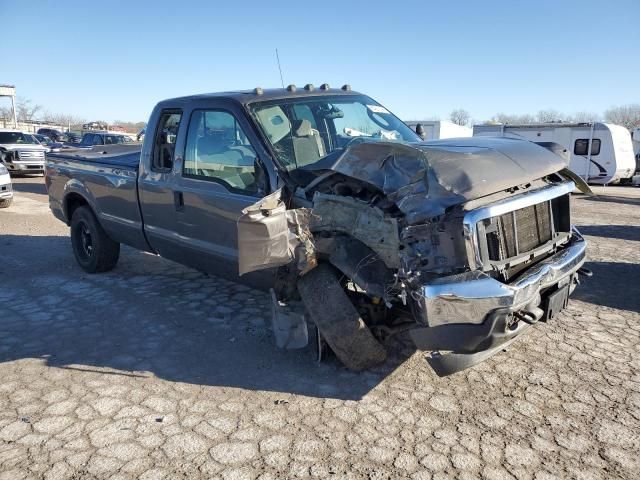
<point>610,285</point>
<point>622,232</point>
<point>152,315</point>
<point>38,188</point>
<point>611,199</point>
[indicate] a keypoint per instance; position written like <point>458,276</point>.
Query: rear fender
<point>72,189</point>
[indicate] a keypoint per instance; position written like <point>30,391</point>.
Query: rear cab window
<point>164,144</point>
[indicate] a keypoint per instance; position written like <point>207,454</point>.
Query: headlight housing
<point>6,156</point>
<point>3,170</point>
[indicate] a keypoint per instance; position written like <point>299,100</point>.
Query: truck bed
<point>106,176</point>
<point>115,155</point>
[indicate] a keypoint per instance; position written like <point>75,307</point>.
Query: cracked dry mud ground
<point>157,371</point>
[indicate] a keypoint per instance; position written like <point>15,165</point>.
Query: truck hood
<point>424,179</point>
<point>12,147</point>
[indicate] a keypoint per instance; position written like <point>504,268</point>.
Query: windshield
<point>304,130</point>
<point>17,137</point>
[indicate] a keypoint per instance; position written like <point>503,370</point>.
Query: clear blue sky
<point>115,59</point>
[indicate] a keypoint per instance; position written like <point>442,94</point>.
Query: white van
<point>438,129</point>
<point>600,153</point>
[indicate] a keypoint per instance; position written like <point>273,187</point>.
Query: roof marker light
<point>324,86</point>
<point>258,91</point>
<point>309,87</point>
<point>291,88</point>
<point>346,87</point>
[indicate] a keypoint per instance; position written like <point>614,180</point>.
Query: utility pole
<point>10,91</point>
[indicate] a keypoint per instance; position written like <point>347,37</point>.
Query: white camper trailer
<point>600,153</point>
<point>635,137</point>
<point>437,129</point>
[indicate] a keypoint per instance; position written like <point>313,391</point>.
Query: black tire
<point>338,320</point>
<point>95,252</point>
<point>5,203</point>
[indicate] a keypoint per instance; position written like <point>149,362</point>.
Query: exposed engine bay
<point>392,221</point>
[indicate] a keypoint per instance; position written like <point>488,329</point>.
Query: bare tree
<point>585,117</point>
<point>512,119</point>
<point>64,119</point>
<point>550,116</point>
<point>460,117</point>
<point>626,115</point>
<point>132,127</point>
<point>25,110</point>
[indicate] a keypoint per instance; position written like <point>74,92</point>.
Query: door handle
<point>178,201</point>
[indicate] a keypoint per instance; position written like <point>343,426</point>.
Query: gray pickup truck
<point>323,195</point>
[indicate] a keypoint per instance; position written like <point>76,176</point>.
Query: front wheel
<point>94,251</point>
<point>338,321</point>
<point>6,202</point>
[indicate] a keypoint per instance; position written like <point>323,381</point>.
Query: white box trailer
<point>437,129</point>
<point>600,153</point>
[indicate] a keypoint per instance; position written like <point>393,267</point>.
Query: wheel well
<point>71,203</point>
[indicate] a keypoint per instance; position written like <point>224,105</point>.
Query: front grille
<point>31,154</point>
<point>519,231</point>
<point>518,236</point>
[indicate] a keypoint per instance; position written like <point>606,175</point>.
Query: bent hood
<point>424,179</point>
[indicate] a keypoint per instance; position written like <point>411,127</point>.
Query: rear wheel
<point>338,320</point>
<point>4,203</point>
<point>94,251</point>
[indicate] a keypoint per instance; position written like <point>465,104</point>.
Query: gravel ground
<point>157,371</point>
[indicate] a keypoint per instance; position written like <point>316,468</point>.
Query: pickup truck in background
<point>323,195</point>
<point>92,139</point>
<point>20,152</point>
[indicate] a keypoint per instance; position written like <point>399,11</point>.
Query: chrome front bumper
<point>471,297</point>
<point>20,166</point>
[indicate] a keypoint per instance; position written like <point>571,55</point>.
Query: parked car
<point>20,152</point>
<point>53,134</point>
<point>324,195</point>
<point>73,137</point>
<point>6,191</point>
<point>92,139</point>
<point>47,142</point>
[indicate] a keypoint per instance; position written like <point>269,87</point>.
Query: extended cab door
<point>221,174</point>
<point>159,200</point>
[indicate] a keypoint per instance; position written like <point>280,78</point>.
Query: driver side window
<point>218,150</point>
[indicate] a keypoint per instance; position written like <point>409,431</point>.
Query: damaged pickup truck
<point>323,195</point>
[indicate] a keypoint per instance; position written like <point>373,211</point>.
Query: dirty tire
<point>338,320</point>
<point>6,202</point>
<point>92,247</point>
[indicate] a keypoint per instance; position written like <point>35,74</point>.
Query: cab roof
<point>245,97</point>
